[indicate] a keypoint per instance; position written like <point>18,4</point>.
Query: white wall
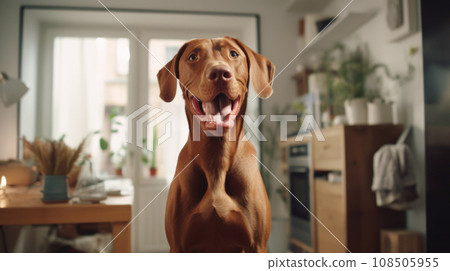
<point>9,37</point>
<point>411,95</point>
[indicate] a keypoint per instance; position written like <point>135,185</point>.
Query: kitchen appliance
<point>299,183</point>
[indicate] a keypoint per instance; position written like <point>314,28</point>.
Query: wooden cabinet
<point>329,154</point>
<point>331,212</point>
<point>346,215</point>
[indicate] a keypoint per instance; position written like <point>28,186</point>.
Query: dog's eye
<point>192,57</point>
<point>233,54</point>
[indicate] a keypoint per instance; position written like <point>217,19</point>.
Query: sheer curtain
<point>78,90</point>
<point>167,153</point>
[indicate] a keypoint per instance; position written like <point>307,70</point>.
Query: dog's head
<point>214,75</point>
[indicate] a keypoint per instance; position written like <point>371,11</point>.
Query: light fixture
<point>11,90</point>
<point>3,182</point>
<point>3,189</point>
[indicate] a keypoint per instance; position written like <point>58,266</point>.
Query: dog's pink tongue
<point>219,106</point>
<point>210,108</point>
<point>224,105</point>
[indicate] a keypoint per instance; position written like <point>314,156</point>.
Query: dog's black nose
<point>220,73</point>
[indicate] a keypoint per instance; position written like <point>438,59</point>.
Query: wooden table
<point>22,206</point>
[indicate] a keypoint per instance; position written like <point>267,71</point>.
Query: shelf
<point>343,26</point>
<point>307,6</point>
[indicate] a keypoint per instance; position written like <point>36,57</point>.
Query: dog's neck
<point>218,152</point>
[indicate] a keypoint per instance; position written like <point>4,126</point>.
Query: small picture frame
<point>401,19</point>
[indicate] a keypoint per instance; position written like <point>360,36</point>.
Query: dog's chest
<point>218,220</point>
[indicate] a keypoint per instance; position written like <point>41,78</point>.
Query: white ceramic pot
<point>356,111</point>
<point>379,112</point>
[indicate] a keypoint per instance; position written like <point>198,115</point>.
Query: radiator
<point>149,233</point>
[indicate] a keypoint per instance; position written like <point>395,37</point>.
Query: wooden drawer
<point>330,210</point>
<point>329,197</point>
<point>328,189</point>
<point>326,243</point>
<point>329,154</point>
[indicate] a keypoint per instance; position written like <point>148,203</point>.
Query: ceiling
<point>156,20</point>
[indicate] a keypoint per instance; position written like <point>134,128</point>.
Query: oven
<point>299,184</point>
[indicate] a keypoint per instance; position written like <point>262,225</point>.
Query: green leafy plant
<point>150,161</point>
<point>325,66</point>
<point>352,75</point>
<point>119,156</point>
<point>349,81</point>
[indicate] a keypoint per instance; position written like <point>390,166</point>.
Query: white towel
<point>394,181</point>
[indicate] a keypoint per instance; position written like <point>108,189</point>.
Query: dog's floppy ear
<point>261,70</point>
<point>167,77</point>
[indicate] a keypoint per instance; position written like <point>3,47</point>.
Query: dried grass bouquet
<point>54,157</point>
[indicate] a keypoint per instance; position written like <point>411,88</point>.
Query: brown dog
<point>218,203</point>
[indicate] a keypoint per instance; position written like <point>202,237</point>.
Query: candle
<point>3,182</point>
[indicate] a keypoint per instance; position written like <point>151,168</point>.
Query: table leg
<point>122,244</point>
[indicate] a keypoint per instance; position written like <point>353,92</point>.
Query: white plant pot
<point>379,113</point>
<point>356,111</point>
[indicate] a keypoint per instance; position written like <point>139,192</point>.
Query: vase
<point>55,188</point>
<point>356,111</point>
<point>379,112</point>
<point>153,171</point>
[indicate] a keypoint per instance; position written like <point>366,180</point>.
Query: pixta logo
<point>147,118</point>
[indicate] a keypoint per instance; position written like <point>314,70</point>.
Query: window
<point>164,50</point>
<point>90,94</point>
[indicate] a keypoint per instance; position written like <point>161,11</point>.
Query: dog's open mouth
<point>221,111</point>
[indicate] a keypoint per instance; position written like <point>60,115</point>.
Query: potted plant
<point>379,112</point>
<point>147,159</point>
<point>322,81</point>
<point>55,161</point>
<point>350,85</point>
<point>118,157</point>
<point>380,109</point>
